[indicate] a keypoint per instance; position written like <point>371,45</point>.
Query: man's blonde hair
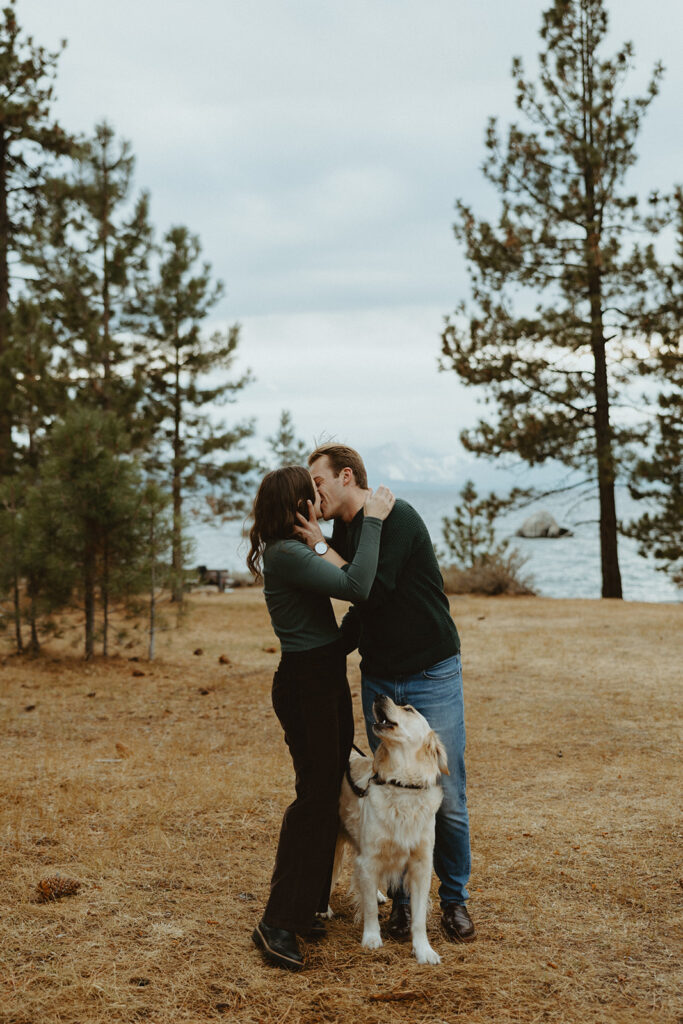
<point>342,457</point>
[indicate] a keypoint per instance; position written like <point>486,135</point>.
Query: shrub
<point>496,574</point>
<point>482,565</point>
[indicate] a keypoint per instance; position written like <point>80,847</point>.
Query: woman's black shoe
<point>317,930</point>
<point>278,946</point>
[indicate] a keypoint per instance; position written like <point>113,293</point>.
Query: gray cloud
<point>318,148</point>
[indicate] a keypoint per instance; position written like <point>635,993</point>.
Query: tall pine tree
<point>556,367</point>
<point>89,503</point>
<point>186,378</point>
<point>30,140</point>
<point>90,255</point>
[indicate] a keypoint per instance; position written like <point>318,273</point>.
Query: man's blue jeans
<point>437,694</point>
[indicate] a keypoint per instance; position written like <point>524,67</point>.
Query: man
<point>410,650</point>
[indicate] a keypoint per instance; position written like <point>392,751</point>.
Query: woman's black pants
<point>311,698</point>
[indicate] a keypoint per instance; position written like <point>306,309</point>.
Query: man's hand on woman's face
<point>308,528</point>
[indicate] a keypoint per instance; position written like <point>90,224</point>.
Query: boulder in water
<point>542,524</point>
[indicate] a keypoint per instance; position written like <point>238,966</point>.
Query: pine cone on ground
<point>55,887</point>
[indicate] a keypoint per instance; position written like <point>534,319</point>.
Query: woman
<point>311,695</point>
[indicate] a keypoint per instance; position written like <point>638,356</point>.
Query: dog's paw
<point>326,915</point>
<point>381,898</point>
<point>424,954</point>
<point>371,940</point>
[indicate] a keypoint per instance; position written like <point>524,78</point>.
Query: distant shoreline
<point>566,567</point>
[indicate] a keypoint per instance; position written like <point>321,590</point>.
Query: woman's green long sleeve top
<point>298,585</point>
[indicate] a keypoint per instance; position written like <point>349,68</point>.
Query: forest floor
<point>161,786</point>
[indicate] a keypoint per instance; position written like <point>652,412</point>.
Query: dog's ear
<point>435,750</point>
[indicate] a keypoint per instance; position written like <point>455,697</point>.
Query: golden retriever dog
<point>387,808</point>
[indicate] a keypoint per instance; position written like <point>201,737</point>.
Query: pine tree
<point>39,393</point>
<point>90,493</point>
<point>658,480</point>
<point>30,141</point>
<point>185,379</point>
<point>30,568</point>
<point>49,578</point>
<point>555,367</point>
<point>287,448</point>
<point>657,477</point>
<point>90,255</point>
<point>475,561</point>
<point>469,534</point>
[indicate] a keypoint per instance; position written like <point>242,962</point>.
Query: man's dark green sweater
<point>405,626</point>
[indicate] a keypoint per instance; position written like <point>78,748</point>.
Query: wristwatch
<point>320,547</point>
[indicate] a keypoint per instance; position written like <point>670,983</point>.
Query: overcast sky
<point>317,148</point>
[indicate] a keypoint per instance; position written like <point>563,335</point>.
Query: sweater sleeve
<point>306,570</point>
<point>399,536</point>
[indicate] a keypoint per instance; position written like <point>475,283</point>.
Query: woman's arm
<point>301,568</point>
<point>378,504</point>
<point>310,571</point>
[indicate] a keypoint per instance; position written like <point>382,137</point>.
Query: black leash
<point>354,788</point>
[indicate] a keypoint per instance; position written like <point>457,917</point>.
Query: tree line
<point>106,371</point>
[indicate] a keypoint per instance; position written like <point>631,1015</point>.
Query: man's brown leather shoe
<point>398,922</point>
<point>457,923</point>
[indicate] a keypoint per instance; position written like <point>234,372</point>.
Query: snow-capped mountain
<point>393,463</point>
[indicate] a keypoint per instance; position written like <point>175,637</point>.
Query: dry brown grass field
<point>160,787</point>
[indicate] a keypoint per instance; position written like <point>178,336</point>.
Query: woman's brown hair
<point>283,493</point>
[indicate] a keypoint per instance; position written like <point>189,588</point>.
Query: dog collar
<point>382,782</point>
<point>402,785</point>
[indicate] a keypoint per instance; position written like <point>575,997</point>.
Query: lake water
<point>566,567</point>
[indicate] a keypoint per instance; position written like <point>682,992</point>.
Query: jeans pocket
<point>443,669</point>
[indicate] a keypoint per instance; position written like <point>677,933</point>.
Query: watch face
<point>320,548</point>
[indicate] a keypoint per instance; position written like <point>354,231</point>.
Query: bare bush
<point>494,574</point>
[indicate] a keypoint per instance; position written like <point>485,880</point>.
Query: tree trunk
<point>177,493</point>
<point>105,599</point>
<point>177,537</point>
<point>34,645</point>
<point>89,594</point>
<point>17,615</point>
<point>152,602</point>
<point>609,558</point>
<point>5,378</point>
<point>611,576</point>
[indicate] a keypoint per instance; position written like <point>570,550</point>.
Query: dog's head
<point>407,742</point>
